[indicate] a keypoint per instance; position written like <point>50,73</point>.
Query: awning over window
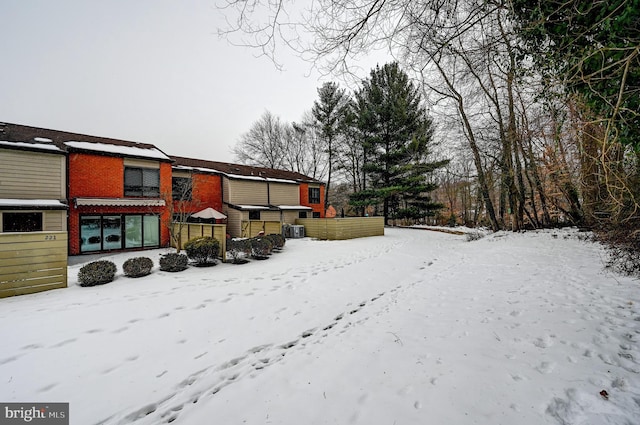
<point>40,204</point>
<point>120,202</point>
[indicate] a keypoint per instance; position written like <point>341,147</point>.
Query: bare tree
<point>264,144</point>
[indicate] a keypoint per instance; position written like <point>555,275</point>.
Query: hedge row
<point>259,247</point>
<point>202,251</point>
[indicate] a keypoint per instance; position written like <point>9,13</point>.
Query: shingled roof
<point>23,133</point>
<point>239,170</point>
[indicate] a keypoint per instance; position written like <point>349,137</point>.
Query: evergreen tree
<point>396,133</point>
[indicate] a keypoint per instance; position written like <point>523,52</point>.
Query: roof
<point>33,145</point>
<point>45,204</point>
<point>75,142</point>
<point>240,171</point>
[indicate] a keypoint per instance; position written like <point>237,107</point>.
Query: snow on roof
<point>281,181</point>
<point>293,207</point>
<point>42,140</point>
<point>46,203</point>
<point>38,146</point>
<point>123,150</point>
<point>252,207</point>
<point>238,176</point>
<point>233,176</point>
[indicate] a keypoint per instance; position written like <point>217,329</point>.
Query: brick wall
<point>304,199</point>
<point>97,176</point>
<point>206,192</point>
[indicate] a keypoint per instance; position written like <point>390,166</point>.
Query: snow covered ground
<point>415,327</point>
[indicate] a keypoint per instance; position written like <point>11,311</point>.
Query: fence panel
<point>342,228</point>
<point>189,231</point>
<point>32,262</point>
<point>251,228</point>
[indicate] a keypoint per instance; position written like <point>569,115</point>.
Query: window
<point>112,232</point>
<point>254,215</point>
<point>22,222</point>
<point>143,182</point>
<point>302,214</point>
<point>90,233</point>
<point>316,214</point>
<point>314,195</point>
<point>181,188</point>
<point>102,233</point>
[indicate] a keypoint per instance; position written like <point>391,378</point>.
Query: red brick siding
<point>304,199</point>
<point>96,176</point>
<point>207,192</point>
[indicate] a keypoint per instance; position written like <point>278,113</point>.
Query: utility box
<point>294,231</point>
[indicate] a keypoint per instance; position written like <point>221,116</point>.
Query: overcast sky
<point>151,71</point>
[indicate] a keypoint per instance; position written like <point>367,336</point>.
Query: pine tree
<point>396,135</point>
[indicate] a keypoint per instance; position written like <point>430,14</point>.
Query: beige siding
<point>290,217</point>
<point>284,194</point>
<point>176,173</point>
<point>32,175</point>
<point>32,262</point>
<point>131,162</point>
<point>247,192</point>
<point>54,221</point>
<point>342,228</point>
<point>269,216</point>
<point>234,220</point>
<point>225,190</point>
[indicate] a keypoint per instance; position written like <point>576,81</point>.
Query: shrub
<point>97,273</point>
<point>203,251</point>
<point>474,236</point>
<point>623,247</point>
<point>238,249</point>
<point>277,240</point>
<point>173,262</point>
<point>137,266</point>
<point>260,248</point>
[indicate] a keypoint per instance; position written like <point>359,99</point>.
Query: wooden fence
<point>251,228</point>
<point>189,231</point>
<point>32,262</point>
<point>342,228</point>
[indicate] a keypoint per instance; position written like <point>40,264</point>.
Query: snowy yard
<point>416,327</point>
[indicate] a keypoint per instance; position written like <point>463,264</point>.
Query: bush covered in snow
<point>203,251</point>
<point>277,240</point>
<point>238,250</point>
<point>137,266</point>
<point>173,262</point>
<point>474,235</point>
<point>97,273</point>
<point>261,248</point>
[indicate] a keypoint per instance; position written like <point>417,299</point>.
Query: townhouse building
<point>122,195</point>
<point>253,199</point>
